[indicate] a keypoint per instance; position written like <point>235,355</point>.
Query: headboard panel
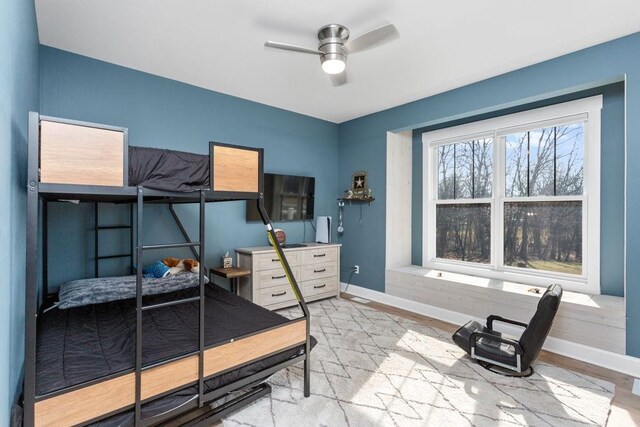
<point>82,153</point>
<point>235,169</point>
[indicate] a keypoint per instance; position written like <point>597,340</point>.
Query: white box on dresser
<point>316,268</point>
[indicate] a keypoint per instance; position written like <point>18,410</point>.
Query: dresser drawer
<point>319,256</point>
<point>274,277</point>
<point>315,287</point>
<point>277,295</point>
<point>315,267</point>
<point>318,271</point>
<point>271,260</point>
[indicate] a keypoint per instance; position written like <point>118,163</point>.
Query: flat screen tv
<point>286,198</point>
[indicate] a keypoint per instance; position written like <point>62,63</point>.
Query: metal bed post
<point>202,303</point>
<point>131,244</point>
<point>96,221</point>
<point>139,213</point>
<point>296,290</point>
<point>45,250</point>
<point>31,297</point>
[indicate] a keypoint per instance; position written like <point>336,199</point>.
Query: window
<point>463,203</point>
<point>517,197</point>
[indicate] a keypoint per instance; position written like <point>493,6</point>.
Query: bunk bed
<point>189,354</point>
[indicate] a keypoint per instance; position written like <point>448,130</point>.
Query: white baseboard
<point>614,361</point>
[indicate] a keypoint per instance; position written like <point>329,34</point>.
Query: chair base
<point>504,371</point>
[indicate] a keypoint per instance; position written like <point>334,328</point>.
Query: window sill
<point>514,288</point>
<point>519,277</point>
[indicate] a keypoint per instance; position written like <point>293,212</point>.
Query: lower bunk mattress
<point>85,343</point>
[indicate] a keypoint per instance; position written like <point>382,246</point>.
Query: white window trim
<point>587,110</point>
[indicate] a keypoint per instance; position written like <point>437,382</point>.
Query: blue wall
<point>611,182</point>
<point>18,95</point>
<point>363,147</point>
<point>164,113</point>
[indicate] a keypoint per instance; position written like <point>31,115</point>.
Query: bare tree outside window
<point>545,162</point>
<point>464,172</point>
<point>483,168</point>
<point>570,160</point>
<point>446,164</point>
<point>463,232</point>
<point>517,197</point>
<point>539,163</point>
<point>544,235</point>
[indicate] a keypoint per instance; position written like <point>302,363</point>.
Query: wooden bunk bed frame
<point>89,162</point>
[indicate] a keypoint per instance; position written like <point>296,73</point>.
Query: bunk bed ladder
<point>98,228</point>
<point>140,308</point>
<point>294,285</point>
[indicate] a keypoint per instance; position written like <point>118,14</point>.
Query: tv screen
<point>286,198</point>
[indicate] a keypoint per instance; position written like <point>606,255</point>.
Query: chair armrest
<point>477,335</point>
<point>493,318</point>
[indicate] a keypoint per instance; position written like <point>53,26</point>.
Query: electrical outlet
<point>636,387</point>
<point>356,269</point>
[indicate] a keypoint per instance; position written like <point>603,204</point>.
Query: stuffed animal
<point>178,265</point>
<point>156,270</point>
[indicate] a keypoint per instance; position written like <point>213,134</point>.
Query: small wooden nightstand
<point>231,273</point>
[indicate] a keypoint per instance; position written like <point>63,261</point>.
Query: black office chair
<point>504,355</point>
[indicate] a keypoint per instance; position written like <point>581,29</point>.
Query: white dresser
<point>316,268</point>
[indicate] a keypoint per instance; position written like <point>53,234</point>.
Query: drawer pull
<point>319,255</point>
<point>275,259</point>
<point>278,277</point>
<point>320,271</point>
<point>319,286</point>
<point>280,294</point>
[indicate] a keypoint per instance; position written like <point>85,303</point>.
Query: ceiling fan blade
<point>339,79</point>
<point>291,47</point>
<point>373,38</point>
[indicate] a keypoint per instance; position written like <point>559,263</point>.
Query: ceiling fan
<point>334,46</point>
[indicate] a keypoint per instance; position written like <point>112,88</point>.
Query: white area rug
<point>374,369</point>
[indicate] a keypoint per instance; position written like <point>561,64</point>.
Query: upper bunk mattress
<point>168,170</point>
<point>85,343</point>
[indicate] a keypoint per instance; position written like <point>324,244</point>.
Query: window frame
<point>586,110</point>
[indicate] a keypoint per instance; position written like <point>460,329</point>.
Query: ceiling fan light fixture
<point>334,46</point>
<point>333,66</point>
<point>333,63</point>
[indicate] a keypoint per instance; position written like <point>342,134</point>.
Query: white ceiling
<point>218,44</point>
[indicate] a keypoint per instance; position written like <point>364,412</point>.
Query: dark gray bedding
<point>104,289</point>
<point>85,343</point>
<point>168,170</point>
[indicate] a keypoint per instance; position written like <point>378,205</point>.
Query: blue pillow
<point>156,270</point>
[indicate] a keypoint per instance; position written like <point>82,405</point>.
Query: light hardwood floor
<point>625,407</point>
